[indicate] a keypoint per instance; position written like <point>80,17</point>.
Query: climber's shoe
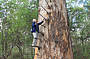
<point>37,47</point>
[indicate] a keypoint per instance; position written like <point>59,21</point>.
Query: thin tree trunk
<point>55,42</point>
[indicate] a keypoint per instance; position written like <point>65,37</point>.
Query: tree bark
<point>55,41</point>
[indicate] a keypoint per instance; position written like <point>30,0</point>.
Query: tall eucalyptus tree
<point>54,34</point>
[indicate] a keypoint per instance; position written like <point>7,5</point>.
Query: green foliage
<point>17,24</point>
<point>79,28</point>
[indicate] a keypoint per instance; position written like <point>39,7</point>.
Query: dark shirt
<point>35,26</point>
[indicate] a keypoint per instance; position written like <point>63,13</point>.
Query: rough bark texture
<point>54,42</point>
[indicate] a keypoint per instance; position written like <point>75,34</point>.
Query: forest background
<point>15,24</point>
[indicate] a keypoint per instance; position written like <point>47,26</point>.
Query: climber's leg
<point>34,38</point>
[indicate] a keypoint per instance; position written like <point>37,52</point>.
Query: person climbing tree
<point>35,30</point>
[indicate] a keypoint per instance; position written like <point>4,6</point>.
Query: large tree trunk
<point>54,40</point>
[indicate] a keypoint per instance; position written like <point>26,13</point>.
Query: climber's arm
<point>40,22</point>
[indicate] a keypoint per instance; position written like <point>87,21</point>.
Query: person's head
<point>34,20</point>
